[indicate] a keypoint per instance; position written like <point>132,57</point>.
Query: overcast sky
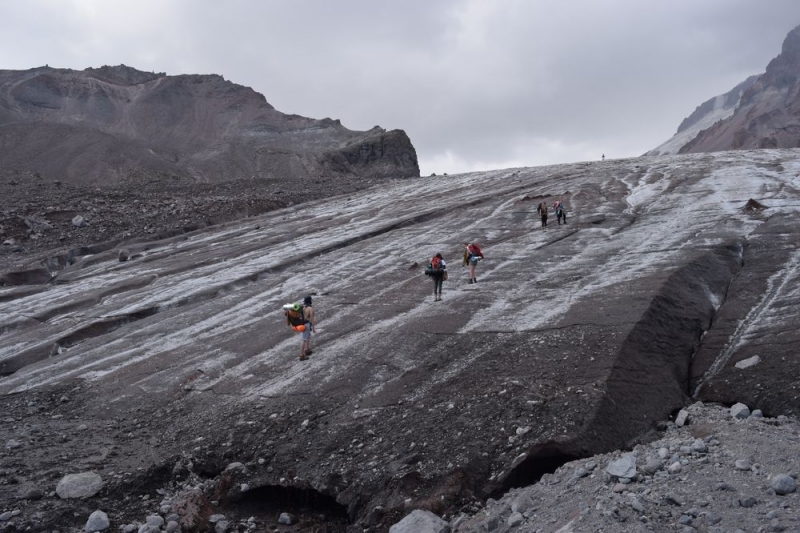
<point>477,85</point>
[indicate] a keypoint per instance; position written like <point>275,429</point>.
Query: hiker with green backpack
<point>301,319</point>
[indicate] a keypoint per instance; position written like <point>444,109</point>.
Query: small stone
<point>32,494</point>
<point>83,485</point>
<point>618,487</point>
<point>515,519</point>
<point>98,521</point>
<point>758,414</point>
<point>747,363</point>
<point>580,472</point>
<point>419,520</point>
<point>172,526</point>
<point>625,466</point>
<point>5,517</point>
<point>222,526</point>
<point>685,520</point>
<point>675,468</point>
<point>154,520</point>
<point>713,519</point>
<point>740,411</point>
<point>78,221</point>
<point>12,444</point>
<point>285,519</point>
<point>743,464</point>
<point>699,446</point>
<point>747,502</point>
<point>683,416</point>
<point>663,453</point>
<point>783,484</point>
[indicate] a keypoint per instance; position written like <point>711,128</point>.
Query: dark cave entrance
<point>542,459</point>
<point>307,506</point>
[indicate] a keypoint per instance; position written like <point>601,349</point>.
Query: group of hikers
<point>558,207</point>
<point>437,268</point>
<point>301,317</point>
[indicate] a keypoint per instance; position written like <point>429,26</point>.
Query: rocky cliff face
<point>768,115</point>
<point>708,113</point>
<point>112,124</point>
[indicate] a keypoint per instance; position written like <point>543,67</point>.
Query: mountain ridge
<point>120,121</point>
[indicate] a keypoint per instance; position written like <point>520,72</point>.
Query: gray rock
<point>98,521</point>
<point>757,413</point>
<point>12,444</point>
<point>713,519</point>
<point>743,464</point>
<point>747,502</point>
<point>521,503</point>
<point>124,255</point>
<point>419,521</point>
<point>5,517</point>
<point>747,363</point>
<point>32,494</point>
<point>683,416</point>
<point>675,468</point>
<point>652,465</point>
<point>625,466</point>
<point>699,446</point>
<point>83,485</point>
<point>154,520</point>
<point>783,484</point>
<point>740,411</point>
<point>222,526</point>
<point>285,519</point>
<point>515,519</point>
<point>78,221</point>
<point>172,526</point>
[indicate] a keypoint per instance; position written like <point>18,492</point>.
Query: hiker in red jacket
<point>472,254</point>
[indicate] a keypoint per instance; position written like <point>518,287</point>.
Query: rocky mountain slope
<point>767,115</point>
<point>166,368</point>
<point>115,125</point>
<point>704,116</point>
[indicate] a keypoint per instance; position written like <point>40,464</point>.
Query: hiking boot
<point>474,280</point>
<point>469,282</point>
<point>309,352</point>
<point>303,357</point>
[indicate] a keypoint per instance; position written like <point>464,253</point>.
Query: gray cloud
<point>475,84</point>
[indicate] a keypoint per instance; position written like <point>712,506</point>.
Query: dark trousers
<point>437,284</point>
<point>544,221</point>
<point>561,215</point>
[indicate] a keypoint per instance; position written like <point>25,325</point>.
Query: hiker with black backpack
<point>437,269</point>
<point>472,254</point>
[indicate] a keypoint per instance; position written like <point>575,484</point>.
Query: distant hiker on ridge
<point>604,157</point>
<point>542,210</point>
<point>437,270</point>
<point>472,254</point>
<point>560,212</point>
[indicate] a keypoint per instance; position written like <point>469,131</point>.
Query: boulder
<point>625,466</point>
<point>420,521</point>
<point>83,485</point>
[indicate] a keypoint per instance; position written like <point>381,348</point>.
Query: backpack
<point>434,266</point>
<point>295,316</point>
<point>474,250</point>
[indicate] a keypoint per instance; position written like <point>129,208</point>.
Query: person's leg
<point>437,287</point>
<point>565,217</point>
<point>471,271</point>
<point>304,336</point>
